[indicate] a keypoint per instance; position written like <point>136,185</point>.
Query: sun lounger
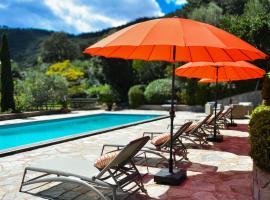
<point>208,126</point>
<point>224,118</point>
<point>196,133</point>
<point>158,149</point>
<point>118,176</point>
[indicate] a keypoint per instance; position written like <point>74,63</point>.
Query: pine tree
<point>7,87</point>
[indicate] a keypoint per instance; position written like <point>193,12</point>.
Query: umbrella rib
<point>248,72</point>
<point>228,55</point>
<point>209,54</point>
<point>135,48</point>
<point>124,32</point>
<point>227,77</point>
<point>117,47</point>
<point>189,52</point>
<point>153,46</point>
<point>245,54</point>
<point>236,72</point>
<point>149,32</point>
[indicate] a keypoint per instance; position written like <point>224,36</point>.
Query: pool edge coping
<point>38,145</point>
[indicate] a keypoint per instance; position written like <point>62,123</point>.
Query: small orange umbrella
<point>173,40</point>
<point>220,72</point>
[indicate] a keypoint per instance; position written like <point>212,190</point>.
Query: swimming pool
<point>26,134</point>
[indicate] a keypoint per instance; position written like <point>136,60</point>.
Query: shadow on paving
<point>237,145</point>
<point>230,185</point>
<point>239,127</point>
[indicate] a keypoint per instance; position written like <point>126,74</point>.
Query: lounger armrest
<point>152,134</point>
<point>116,147</point>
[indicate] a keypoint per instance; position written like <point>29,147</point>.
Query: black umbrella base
<point>164,177</point>
<point>217,138</point>
<point>232,124</point>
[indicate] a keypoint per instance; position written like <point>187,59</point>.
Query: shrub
<point>104,93</point>
<point>158,91</point>
<point>259,128</point>
<point>266,90</point>
<point>136,96</point>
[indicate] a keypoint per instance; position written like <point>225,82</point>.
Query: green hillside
<point>26,44</point>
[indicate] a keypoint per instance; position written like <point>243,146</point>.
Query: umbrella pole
<point>215,122</point>
<point>215,137</point>
<point>230,88</point>
<point>172,115</point>
<point>171,176</point>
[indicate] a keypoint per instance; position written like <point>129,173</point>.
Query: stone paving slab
<point>222,171</point>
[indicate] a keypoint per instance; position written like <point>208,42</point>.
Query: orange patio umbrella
<point>220,72</point>
<point>173,40</point>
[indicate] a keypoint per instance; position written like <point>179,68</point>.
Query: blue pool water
<point>16,135</point>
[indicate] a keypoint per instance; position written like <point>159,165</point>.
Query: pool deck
<point>222,171</point>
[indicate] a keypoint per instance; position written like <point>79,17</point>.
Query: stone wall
<point>255,97</point>
<point>27,114</point>
<point>261,184</point>
<point>195,108</point>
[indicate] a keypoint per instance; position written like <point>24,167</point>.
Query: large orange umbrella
<point>174,39</point>
<point>220,72</point>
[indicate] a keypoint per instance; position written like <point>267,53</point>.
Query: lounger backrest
<point>126,154</point>
<point>180,131</point>
<point>212,118</point>
<point>197,125</point>
<point>226,112</point>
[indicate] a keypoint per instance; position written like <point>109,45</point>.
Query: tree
<point>235,7</point>
<point>119,74</point>
<point>253,26</point>
<point>210,13</point>
<point>147,71</point>
<point>7,87</point>
<point>59,47</point>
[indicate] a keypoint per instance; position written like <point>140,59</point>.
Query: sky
<point>80,16</point>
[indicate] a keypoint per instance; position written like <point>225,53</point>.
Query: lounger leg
<point>24,173</point>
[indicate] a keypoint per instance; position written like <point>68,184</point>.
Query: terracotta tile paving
<point>220,172</point>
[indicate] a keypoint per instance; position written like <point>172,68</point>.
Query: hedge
<point>159,91</point>
<point>259,129</point>
<point>136,96</point>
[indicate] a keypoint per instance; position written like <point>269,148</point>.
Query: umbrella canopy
<point>208,80</point>
<point>172,40</point>
<point>194,41</point>
<point>227,71</point>
<point>220,72</point>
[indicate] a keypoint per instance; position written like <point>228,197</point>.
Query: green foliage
<point>37,90</point>
<point>266,90</point>
<point>136,96</point>
<point>235,7</point>
<point>104,93</point>
<point>119,74</point>
<point>210,13</point>
<point>7,87</point>
<point>189,93</point>
<point>259,128</point>
<point>66,70</point>
<point>158,91</point>
<point>253,26</point>
<point>147,71</point>
<point>59,47</point>
<point>92,69</point>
